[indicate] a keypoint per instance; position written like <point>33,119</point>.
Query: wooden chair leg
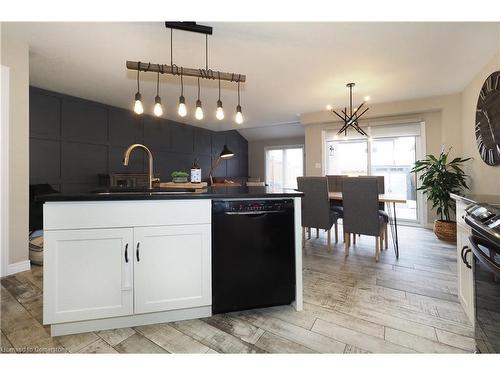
<point>317,232</point>
<point>329,240</point>
<point>336,233</point>
<point>386,237</point>
<point>354,238</point>
<point>347,240</point>
<point>377,248</point>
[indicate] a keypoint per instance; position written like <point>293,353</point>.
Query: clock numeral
<point>497,84</point>
<point>488,83</point>
<point>491,157</point>
<point>498,150</point>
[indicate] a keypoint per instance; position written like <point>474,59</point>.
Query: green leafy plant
<point>439,178</point>
<point>179,174</point>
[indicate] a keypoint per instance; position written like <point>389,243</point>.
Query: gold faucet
<point>126,158</point>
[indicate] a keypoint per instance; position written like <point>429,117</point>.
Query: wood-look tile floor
<point>352,305</point>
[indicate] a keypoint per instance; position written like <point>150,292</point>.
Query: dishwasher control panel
<point>252,205</point>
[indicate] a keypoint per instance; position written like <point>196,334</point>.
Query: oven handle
<point>491,265</point>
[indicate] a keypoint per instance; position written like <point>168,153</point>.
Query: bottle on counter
<point>195,172</point>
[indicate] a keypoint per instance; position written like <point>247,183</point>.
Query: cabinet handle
<point>462,253</point>
<point>465,258</point>
<point>126,253</point>
<point>137,251</point>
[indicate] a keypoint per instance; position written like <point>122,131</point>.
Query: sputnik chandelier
<point>351,117</point>
<point>182,72</point>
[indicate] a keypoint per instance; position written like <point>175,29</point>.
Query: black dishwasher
<point>253,254</point>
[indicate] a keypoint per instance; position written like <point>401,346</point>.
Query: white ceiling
<point>291,68</point>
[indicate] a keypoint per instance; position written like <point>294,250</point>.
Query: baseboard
<point>13,268</point>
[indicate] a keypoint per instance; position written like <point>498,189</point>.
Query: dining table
<point>390,202</point>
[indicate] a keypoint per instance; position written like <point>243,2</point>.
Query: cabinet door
<point>87,275</point>
<point>172,268</point>
<point>465,277</point>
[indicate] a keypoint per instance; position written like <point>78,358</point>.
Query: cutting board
<point>183,185</point>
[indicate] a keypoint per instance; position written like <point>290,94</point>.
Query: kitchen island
<point>118,258</point>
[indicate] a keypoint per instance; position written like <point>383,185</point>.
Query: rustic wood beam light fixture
<point>173,69</point>
<point>350,118</point>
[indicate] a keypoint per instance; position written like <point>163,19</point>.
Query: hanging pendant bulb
<point>198,114</point>
<point>219,114</point>
<point>157,109</point>
<point>182,111</point>
<point>199,111</point>
<point>138,108</point>
<point>239,116</point>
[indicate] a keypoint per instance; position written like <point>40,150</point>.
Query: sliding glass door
<point>391,157</point>
<point>283,166</point>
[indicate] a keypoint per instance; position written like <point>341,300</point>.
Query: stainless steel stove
<point>484,241</point>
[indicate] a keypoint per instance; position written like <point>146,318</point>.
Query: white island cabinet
<point>115,264</point>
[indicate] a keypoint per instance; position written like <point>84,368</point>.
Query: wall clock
<point>488,120</point>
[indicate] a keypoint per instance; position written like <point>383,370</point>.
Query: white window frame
<point>420,152</point>
<point>283,147</point>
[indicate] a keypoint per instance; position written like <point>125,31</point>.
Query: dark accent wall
<point>73,140</point>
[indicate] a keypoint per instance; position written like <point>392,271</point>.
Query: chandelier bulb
<point>198,114</point>
<point>239,116</point>
<point>158,110</point>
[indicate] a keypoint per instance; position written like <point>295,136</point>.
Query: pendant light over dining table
<point>351,117</point>
<point>199,73</point>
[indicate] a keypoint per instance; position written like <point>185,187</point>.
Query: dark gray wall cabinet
<point>73,141</point>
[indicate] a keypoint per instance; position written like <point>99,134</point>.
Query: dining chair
<point>361,211</point>
<point>316,211</point>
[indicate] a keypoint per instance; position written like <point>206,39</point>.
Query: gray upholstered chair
<point>316,211</point>
<point>361,211</point>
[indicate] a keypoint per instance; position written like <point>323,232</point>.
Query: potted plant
<point>439,178</point>
<point>180,177</point>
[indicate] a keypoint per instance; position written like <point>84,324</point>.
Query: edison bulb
<point>198,113</point>
<point>157,109</point>
<point>239,116</point>
<point>182,111</point>
<point>138,108</point>
<point>219,114</point>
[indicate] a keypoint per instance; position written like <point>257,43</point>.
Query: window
<point>391,152</point>
<point>283,166</point>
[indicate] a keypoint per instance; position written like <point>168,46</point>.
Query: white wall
<point>14,54</point>
<point>485,178</point>
<point>256,156</point>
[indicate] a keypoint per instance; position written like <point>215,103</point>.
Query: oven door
<point>486,294</point>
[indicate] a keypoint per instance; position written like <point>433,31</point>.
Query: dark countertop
<point>165,194</point>
<point>477,198</point>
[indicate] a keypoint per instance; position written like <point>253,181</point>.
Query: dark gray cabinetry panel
<point>82,162</point>
<point>73,140</point>
<point>45,116</point>
<point>125,127</point>
<point>45,156</point>
<point>84,121</point>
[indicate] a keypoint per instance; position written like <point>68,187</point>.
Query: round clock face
<point>488,120</point>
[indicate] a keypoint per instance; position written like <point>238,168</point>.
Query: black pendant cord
<point>182,83</point>
<point>238,93</point>
<point>219,85</point>
<point>158,84</point>
<point>171,48</point>
<point>206,52</point>
<point>138,70</point>
<point>198,88</point>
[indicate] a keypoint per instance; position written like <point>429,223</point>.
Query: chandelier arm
<point>342,118</point>
<point>361,114</point>
<point>357,109</point>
